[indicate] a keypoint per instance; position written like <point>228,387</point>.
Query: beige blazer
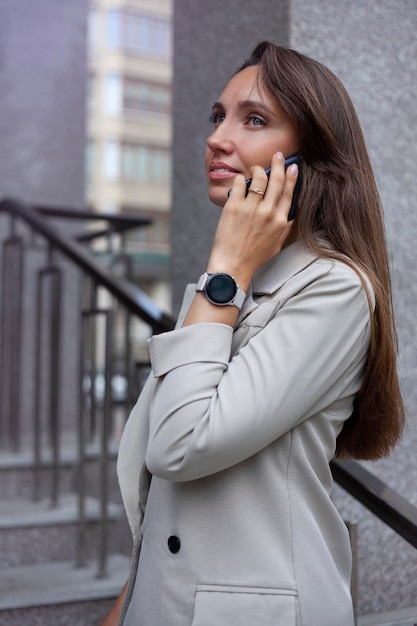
<point>238,427</point>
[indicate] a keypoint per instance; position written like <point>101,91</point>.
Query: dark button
<point>174,544</point>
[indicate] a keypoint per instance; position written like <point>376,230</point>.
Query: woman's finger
<point>281,184</point>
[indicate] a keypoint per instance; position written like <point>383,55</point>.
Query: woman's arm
<point>210,411</point>
<point>112,618</point>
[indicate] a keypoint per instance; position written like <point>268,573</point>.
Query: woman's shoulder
<point>344,268</point>
<point>341,273</point>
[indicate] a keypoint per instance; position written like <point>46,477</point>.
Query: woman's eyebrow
<point>254,104</point>
<point>246,104</point>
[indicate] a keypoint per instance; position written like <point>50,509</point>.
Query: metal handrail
<point>388,505</point>
<point>130,220</point>
<point>115,222</point>
<point>128,294</point>
<point>92,427</point>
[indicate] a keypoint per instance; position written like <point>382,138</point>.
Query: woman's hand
<point>252,230</point>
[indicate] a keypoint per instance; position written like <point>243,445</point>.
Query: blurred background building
<point>129,127</point>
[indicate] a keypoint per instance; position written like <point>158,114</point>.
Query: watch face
<point>221,288</point>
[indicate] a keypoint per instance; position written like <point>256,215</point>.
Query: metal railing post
<point>11,327</point>
<point>53,342</point>
<point>81,424</point>
<point>54,377</point>
<point>89,321</point>
<point>104,448</point>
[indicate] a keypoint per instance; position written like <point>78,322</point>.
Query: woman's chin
<point>218,197</point>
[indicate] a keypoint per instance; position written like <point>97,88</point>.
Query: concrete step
<point>17,470</point>
<point>10,459</point>
<point>60,583</point>
<point>86,613</point>
<point>24,513</point>
<point>399,617</point>
<point>18,481</point>
<point>33,532</point>
<point>58,593</point>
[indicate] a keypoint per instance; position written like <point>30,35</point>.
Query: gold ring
<point>258,191</point>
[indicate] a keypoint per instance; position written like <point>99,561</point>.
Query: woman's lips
<point>221,174</point>
<point>220,171</point>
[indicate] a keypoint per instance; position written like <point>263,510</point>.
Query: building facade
<point>129,127</point>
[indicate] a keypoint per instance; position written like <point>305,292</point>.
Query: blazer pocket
<point>222,605</point>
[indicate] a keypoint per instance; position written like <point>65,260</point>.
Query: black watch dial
<point>221,288</point>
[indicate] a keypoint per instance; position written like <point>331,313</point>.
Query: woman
<point>260,386</point>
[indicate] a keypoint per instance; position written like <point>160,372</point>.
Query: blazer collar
<point>290,261</point>
<point>274,274</point>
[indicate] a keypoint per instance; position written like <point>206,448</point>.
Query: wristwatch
<point>221,289</point>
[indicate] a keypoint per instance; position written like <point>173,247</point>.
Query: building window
<point>158,165</point>
<point>90,158</point>
<point>136,162</point>
<point>144,163</point>
<point>126,94</point>
<point>155,233</point>
<point>114,28</point>
<point>139,95</point>
<point>93,37</point>
<point>112,160</point>
<point>113,94</point>
<point>139,33</point>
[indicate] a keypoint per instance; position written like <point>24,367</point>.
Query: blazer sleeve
<point>210,411</point>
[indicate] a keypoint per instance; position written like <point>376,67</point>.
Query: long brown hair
<point>340,204</point>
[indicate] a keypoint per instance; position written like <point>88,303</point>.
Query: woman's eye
<point>255,120</point>
<point>217,118</point>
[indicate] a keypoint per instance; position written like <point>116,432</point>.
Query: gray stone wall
<point>211,40</point>
<point>43,76</point>
<point>42,100</point>
<point>371,45</point>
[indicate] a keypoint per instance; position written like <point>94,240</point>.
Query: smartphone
<point>295,158</point>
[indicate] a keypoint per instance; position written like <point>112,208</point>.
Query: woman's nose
<point>220,139</point>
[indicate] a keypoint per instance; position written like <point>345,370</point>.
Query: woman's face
<point>249,128</point>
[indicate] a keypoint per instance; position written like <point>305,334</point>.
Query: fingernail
<point>293,169</point>
<point>279,155</point>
